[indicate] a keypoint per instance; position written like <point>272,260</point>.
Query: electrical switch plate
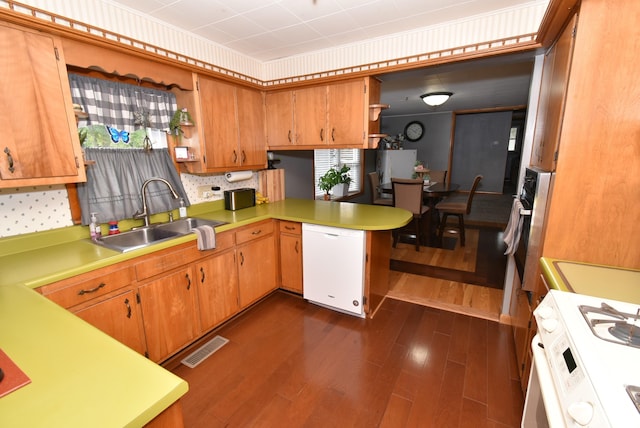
<point>205,192</point>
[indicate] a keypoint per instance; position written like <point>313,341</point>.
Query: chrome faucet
<point>145,214</point>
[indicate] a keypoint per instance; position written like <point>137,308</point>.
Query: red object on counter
<point>113,228</point>
<point>14,378</point>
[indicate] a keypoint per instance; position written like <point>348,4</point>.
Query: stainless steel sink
<point>186,225</point>
<point>153,234</point>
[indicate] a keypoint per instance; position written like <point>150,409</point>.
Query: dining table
<point>432,193</point>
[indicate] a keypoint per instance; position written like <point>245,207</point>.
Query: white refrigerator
<point>396,163</point>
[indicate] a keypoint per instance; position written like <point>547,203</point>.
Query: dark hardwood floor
<point>290,363</point>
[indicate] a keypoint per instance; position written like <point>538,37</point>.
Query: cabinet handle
<point>289,135</point>
<point>91,290</point>
<point>235,157</point>
<point>244,157</point>
<point>333,134</point>
<point>321,134</point>
<point>296,247</point>
<point>241,259</point>
<point>10,159</point>
<point>188,281</point>
<point>202,272</point>
<point>126,303</point>
<point>257,232</point>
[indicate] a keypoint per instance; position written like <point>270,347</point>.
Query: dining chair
<point>437,176</point>
<point>457,205</point>
<point>407,194</point>
<point>376,196</point>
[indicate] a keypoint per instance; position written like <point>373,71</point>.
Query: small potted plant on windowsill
<point>336,180</point>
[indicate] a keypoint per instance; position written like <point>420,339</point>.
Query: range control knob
<point>549,325</point>
<point>581,412</point>
<point>544,312</point>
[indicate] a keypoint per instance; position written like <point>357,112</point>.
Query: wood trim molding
<point>93,36</point>
<point>554,20</point>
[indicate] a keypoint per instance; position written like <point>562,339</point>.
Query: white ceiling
<point>270,29</point>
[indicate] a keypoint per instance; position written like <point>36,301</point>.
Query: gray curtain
<point>114,182</point>
<point>120,105</point>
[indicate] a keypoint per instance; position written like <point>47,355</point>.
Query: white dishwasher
<point>333,261</point>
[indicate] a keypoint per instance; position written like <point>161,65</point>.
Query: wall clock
<point>414,130</point>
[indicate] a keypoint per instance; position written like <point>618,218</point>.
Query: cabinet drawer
<point>171,258</point>
<point>291,227</point>
<point>82,288</point>
<point>254,231</point>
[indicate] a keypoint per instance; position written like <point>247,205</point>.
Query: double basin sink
<point>148,235</point>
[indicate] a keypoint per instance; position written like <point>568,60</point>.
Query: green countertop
<point>607,282</point>
<point>81,377</point>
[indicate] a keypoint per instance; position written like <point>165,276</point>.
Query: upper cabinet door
<point>553,89</point>
<point>279,117</point>
<point>346,114</point>
<point>311,116</point>
<point>40,143</point>
<point>220,123</point>
<point>253,148</point>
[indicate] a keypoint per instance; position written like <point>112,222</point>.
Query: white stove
<point>586,362</point>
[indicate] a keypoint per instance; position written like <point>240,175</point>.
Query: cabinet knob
<point>9,159</point>
<point>188,281</point>
<point>128,306</point>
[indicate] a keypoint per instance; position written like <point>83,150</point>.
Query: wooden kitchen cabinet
<point>553,89</point>
<point>119,317</point>
<point>252,147</point>
<point>310,110</point>
<point>217,284</point>
<point>290,243</point>
<point>169,311</point>
<point>279,119</point>
<point>323,116</point>
<point>256,253</point>
<point>106,299</point>
<point>233,126</point>
<point>346,121</point>
<point>40,143</point>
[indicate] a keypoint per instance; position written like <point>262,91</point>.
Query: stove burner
<point>628,333</point>
<point>611,325</point>
<point>634,393</point>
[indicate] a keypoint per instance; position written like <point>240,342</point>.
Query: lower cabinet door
<point>217,280</point>
<point>169,313</point>
<point>291,262</point>
<point>119,317</point>
<point>256,269</point>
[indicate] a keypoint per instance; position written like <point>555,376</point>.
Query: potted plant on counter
<point>336,180</point>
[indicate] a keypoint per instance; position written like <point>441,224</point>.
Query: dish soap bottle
<point>183,209</point>
<point>95,229</point>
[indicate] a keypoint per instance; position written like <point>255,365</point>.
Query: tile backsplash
<point>38,208</point>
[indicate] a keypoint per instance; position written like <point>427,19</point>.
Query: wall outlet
<point>205,192</point>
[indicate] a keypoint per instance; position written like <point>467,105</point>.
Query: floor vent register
<point>204,352</point>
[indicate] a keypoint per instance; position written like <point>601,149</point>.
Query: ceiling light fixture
<point>436,98</point>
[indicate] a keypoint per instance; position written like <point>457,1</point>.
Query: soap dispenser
<point>183,209</point>
<point>95,229</point>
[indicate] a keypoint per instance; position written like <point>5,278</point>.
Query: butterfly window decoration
<point>117,136</point>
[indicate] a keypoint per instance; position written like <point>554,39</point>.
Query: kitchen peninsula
<point>80,376</point>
